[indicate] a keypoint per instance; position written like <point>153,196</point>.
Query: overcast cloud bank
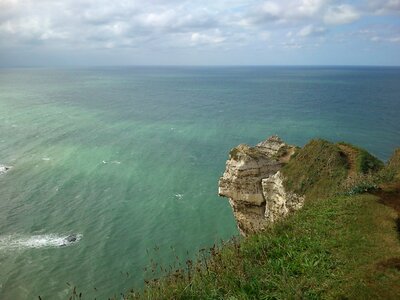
<point>51,32</point>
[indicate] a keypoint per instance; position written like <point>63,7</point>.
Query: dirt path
<point>351,155</point>
<point>389,195</point>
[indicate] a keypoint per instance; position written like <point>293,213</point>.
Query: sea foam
<point>11,242</point>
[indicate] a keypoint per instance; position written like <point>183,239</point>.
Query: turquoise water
<point>129,159</point>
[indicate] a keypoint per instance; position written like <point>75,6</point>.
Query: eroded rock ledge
<point>254,185</point>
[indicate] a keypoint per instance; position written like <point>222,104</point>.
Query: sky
<point>206,32</point>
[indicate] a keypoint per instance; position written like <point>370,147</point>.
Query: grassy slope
<point>331,249</point>
<point>392,170</point>
<point>335,247</point>
<point>317,170</point>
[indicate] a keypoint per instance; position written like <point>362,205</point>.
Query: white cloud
<point>265,35</point>
<point>32,29</point>
<point>384,7</point>
<point>291,44</point>
<point>395,39</point>
<point>162,25</point>
<point>158,20</point>
<point>285,11</point>
<point>391,39</point>
<point>213,38</point>
<point>310,7</point>
<point>272,9</point>
<point>375,39</point>
<point>341,14</point>
<point>311,30</point>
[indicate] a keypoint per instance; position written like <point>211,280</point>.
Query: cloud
<point>395,39</point>
<point>285,11</point>
<point>160,25</point>
<point>378,34</point>
<point>213,38</point>
<point>310,7</point>
<point>391,39</point>
<point>384,7</point>
<point>265,35</point>
<point>99,23</point>
<point>292,44</point>
<point>341,14</point>
<point>270,10</point>
<point>311,30</point>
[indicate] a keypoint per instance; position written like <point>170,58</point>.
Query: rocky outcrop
<point>4,169</point>
<point>254,185</point>
<point>278,201</point>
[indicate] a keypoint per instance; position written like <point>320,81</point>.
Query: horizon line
<point>189,66</point>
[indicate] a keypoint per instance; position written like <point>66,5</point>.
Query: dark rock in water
<point>4,169</point>
<point>71,238</point>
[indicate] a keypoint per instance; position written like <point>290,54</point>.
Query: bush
<point>362,183</point>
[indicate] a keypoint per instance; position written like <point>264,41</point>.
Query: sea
<point>126,160</point>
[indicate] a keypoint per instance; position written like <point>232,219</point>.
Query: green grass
<point>394,161</point>
<point>244,150</point>
<point>392,169</point>
<point>316,170</point>
<point>333,248</point>
<point>323,169</point>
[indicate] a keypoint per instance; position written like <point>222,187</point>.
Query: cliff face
<point>279,202</point>
<point>254,185</point>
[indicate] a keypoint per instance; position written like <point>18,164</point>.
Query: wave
<point>38,241</point>
<point>179,196</point>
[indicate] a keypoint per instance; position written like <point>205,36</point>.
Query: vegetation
<point>323,169</point>
<point>394,162</point>
<point>360,183</point>
<point>391,172</point>
<point>316,170</point>
<point>245,150</point>
<point>364,161</point>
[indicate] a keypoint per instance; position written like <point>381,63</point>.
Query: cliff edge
<point>254,185</point>
<point>267,182</point>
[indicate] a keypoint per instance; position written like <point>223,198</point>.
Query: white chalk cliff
<point>254,185</point>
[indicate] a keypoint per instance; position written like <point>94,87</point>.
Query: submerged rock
<point>254,185</point>
<point>71,238</point>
